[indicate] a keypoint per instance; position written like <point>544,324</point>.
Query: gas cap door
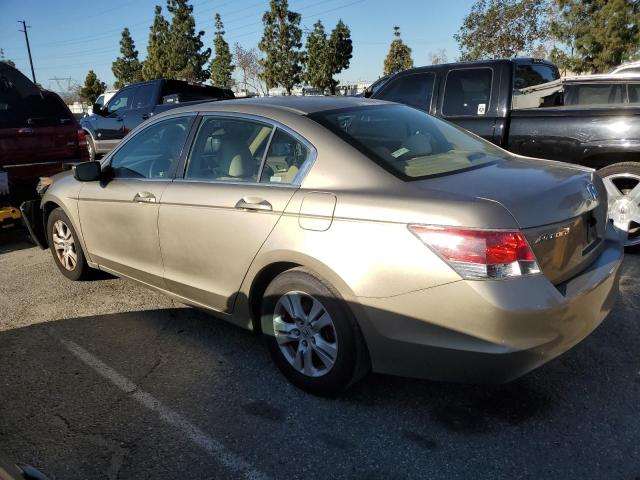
<point>316,211</point>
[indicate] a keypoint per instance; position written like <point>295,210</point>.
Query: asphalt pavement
<point>107,380</point>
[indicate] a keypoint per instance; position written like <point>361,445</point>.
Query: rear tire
<point>91,147</point>
<point>622,181</point>
<point>319,348</point>
<point>65,247</point>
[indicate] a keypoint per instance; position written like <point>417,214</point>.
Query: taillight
<point>480,254</point>
<point>82,138</point>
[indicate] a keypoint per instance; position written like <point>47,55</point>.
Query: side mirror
<point>87,171</point>
<point>98,109</point>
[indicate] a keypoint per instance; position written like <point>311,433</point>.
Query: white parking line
<point>193,433</point>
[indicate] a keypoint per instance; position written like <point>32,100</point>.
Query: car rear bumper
<point>489,331</point>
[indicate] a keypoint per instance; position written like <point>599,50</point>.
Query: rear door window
<point>534,74</point>
<point>414,90</point>
<point>467,92</point>
<point>143,97</point>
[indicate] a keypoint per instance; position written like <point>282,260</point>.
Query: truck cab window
<point>414,90</point>
<point>467,92</point>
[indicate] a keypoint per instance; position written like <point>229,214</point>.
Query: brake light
<point>480,254</point>
<point>82,138</point>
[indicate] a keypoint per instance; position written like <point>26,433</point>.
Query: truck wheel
<point>622,181</point>
<point>91,147</point>
<point>311,333</point>
<point>65,247</point>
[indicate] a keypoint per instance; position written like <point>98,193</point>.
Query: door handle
<point>25,130</point>
<point>144,197</point>
<point>119,119</point>
<point>253,203</point>
<point>146,115</point>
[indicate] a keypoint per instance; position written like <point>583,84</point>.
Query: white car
<point>627,68</point>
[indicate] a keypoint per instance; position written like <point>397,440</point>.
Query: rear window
<point>534,74</point>
<point>407,142</point>
<point>601,94</point>
<point>414,90</point>
<point>32,111</point>
<point>467,92</point>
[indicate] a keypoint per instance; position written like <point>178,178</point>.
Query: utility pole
<point>26,37</point>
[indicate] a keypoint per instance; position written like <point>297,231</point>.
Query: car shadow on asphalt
<point>16,238</point>
<point>221,378</point>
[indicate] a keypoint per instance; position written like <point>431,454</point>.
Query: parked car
<point>607,90</point>
<point>627,68</point>
<point>356,235</point>
<point>38,134</point>
<point>133,104</point>
<point>479,96</point>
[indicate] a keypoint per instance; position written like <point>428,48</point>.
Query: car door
<point>119,217</point>
<point>110,126</point>
<point>141,106</point>
<point>239,177</point>
<point>467,100</point>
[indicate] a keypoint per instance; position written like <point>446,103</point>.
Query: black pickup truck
<point>133,104</point>
<point>481,97</point>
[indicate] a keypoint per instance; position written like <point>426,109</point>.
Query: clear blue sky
<point>69,37</point>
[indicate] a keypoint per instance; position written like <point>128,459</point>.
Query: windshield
<point>407,142</point>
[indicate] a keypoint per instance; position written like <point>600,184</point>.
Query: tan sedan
<point>356,235</point>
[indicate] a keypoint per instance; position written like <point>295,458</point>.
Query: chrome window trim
<point>304,168</point>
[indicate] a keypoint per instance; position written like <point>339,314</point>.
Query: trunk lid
<point>561,209</point>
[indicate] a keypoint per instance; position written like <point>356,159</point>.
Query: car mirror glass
<point>87,171</point>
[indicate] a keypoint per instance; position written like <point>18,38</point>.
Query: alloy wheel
<point>305,333</point>
<point>64,245</point>
<point>623,192</point>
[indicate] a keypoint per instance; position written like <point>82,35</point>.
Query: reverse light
<point>480,254</point>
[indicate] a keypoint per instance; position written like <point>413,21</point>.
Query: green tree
<point>318,71</point>
<point>597,34</point>
<point>340,51</point>
<point>92,88</point>
<point>6,60</point>
<point>127,68</point>
<point>186,57</point>
<point>502,28</point>
<point>399,56</point>
<point>221,66</point>
<point>156,64</point>
<point>281,43</point>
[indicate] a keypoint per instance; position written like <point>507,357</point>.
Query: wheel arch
<point>601,160</point>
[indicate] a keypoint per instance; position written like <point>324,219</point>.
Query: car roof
<point>292,104</point>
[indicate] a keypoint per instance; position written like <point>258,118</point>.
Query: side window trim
<point>106,160</point>
<point>304,169</point>
<point>444,92</point>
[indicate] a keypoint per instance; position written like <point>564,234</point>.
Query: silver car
<point>355,234</point>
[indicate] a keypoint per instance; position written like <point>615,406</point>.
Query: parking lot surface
<point>105,379</point>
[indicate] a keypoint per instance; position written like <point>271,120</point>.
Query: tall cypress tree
<point>399,56</point>
<point>318,72</point>
<point>340,51</point>
<point>221,66</point>
<point>92,88</point>
<point>281,43</point>
<point>186,57</point>
<point>156,64</point>
<point>127,68</point>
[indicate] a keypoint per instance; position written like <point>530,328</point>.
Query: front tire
<point>622,181</point>
<point>65,247</point>
<point>311,333</point>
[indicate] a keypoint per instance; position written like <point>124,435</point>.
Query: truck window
<point>143,97</point>
<point>467,92</point>
<point>534,74</point>
<point>601,94</point>
<point>414,90</point>
<point>120,100</point>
